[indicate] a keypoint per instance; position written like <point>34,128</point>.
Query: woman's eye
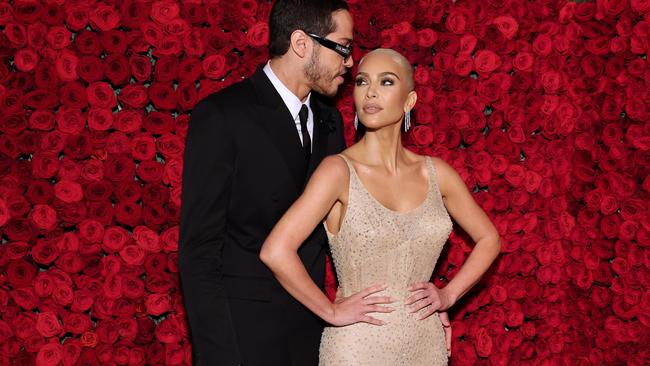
<point>359,81</point>
<point>387,82</point>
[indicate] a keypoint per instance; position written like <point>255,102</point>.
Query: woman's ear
<point>411,99</point>
<point>299,43</point>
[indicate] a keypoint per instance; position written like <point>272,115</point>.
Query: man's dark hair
<point>311,16</point>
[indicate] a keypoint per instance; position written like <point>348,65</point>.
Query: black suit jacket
<point>243,167</point>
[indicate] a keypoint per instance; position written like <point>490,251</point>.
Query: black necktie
<point>306,140</point>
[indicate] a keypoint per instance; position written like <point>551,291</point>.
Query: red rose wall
<point>542,106</point>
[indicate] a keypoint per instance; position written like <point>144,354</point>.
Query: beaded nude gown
<point>379,245</point>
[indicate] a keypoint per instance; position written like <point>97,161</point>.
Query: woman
<point>386,211</point>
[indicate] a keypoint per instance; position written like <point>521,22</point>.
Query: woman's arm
<point>468,214</point>
<point>280,250</point>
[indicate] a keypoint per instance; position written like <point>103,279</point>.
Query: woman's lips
<point>372,108</point>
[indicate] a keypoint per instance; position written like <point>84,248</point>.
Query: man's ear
<point>299,44</point>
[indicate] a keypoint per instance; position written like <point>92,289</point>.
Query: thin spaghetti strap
<point>348,162</point>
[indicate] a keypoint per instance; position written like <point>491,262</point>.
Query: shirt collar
<point>290,100</point>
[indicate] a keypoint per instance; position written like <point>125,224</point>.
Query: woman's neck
<point>383,147</point>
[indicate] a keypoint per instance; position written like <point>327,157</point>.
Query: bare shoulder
<point>333,169</point>
<point>442,167</point>
<point>448,178</point>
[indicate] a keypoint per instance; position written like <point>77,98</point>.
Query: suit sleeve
<point>207,176</point>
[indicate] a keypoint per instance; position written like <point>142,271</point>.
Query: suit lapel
<point>276,120</point>
<point>321,131</point>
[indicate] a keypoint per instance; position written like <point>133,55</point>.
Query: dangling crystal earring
<point>356,121</point>
<point>407,121</point>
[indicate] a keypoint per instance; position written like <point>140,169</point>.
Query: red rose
<point>119,168</point>
<point>134,96</point>
<point>190,69</point>
<point>154,194</point>
<point>169,239</point>
<point>104,18</point>
<point>20,273</point>
<point>50,354</point>
<point>458,20</point>
<point>58,37</point>
<point>48,324</point>
<point>427,37</point>
<point>163,96</point>
<point>214,66</point>
<point>100,94</point>
<point>24,297</point>
<point>71,351</point>
<point>133,287</point>
<point>169,45</point>
<point>82,301</point>
<point>66,65</point>
<point>68,191</point>
<point>88,339</point>
<point>146,239</point>
<point>91,230</point>
<point>258,34</point>
<point>73,95</point>
<point>158,304</point>
<point>43,217</point>
<point>507,25</point>
<point>45,252</point>
<point>143,147</point>
<point>92,170</point>
<point>90,69</point>
<point>193,45</point>
<point>166,69</point>
<point>164,11</point>
<point>150,171</point>
<point>158,123</point>
<point>168,331</point>
<point>132,254</point>
<point>26,59</point>
<point>114,42</point>
<point>100,119</point>
<point>463,352</point>
<point>422,135</point>
<point>543,45</point>
<point>63,295</point>
<point>173,172</point>
<point>77,17</point>
<point>88,43</point>
<point>188,96</point>
<point>140,67</point>
<point>44,284</point>
<point>117,69</point>
<point>608,205</point>
<point>170,146</point>
<point>128,213</point>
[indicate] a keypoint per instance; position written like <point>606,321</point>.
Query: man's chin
<point>328,92</point>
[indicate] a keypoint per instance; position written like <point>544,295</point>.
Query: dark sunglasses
<point>344,51</point>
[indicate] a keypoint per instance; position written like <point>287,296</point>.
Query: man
<point>249,152</point>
